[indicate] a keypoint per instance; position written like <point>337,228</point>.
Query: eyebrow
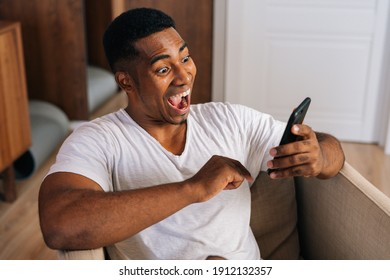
<point>164,56</point>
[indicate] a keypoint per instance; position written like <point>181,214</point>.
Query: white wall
<point>359,28</point>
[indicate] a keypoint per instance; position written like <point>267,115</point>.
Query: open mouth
<point>180,101</point>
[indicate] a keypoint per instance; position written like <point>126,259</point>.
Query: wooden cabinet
<point>54,50</point>
<point>15,136</point>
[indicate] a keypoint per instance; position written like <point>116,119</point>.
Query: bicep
<point>63,200</point>
<point>67,181</point>
<point>61,188</point>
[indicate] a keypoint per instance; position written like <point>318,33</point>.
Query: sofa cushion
<point>274,217</point>
<point>49,127</point>
<point>101,86</point>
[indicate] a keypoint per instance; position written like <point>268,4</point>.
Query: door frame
<point>219,51</point>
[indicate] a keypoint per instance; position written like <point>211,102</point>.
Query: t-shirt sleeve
<point>86,152</point>
<point>261,132</point>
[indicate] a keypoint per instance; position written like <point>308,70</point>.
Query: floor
<point>21,238</point>
<point>371,162</point>
<point>20,234</point>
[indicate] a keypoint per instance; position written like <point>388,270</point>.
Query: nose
<point>182,76</point>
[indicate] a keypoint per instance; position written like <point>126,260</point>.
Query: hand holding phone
<point>296,117</point>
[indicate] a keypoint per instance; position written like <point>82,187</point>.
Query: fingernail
<point>273,152</point>
<point>270,164</point>
<point>296,128</point>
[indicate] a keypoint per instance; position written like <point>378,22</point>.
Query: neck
<point>171,136</point>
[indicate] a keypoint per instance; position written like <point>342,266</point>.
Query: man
<point>163,179</point>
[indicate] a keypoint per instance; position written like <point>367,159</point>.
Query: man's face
<point>164,76</point>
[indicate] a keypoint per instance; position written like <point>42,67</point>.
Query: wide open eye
<point>186,58</point>
<point>163,70</point>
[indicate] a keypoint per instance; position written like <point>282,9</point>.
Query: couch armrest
<point>111,252</point>
<point>95,254</point>
<point>344,217</point>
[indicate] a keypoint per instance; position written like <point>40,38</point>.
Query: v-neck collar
<point>155,141</point>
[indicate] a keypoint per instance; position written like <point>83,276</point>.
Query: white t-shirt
<point>118,154</point>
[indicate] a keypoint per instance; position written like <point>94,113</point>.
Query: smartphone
<point>296,117</point>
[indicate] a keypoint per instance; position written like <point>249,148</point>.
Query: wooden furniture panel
<point>55,51</point>
<point>194,20</point>
<point>62,36</point>
<point>98,15</point>
<point>15,136</point>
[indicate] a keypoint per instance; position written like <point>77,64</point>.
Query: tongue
<point>175,100</point>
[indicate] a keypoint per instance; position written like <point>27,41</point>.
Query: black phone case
<point>296,117</point>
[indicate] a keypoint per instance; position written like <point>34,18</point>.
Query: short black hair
<point>121,34</point>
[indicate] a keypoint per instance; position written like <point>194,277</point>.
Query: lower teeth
<point>183,103</point>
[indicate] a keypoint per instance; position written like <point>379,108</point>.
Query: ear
<point>124,80</point>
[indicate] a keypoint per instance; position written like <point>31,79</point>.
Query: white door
<point>279,51</point>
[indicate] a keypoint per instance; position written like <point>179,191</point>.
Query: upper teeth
<point>184,94</point>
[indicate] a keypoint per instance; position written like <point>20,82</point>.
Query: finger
<point>302,146</point>
<point>288,172</point>
<point>305,131</point>
<point>233,185</point>
<point>241,169</point>
<point>289,161</point>
<point>307,169</point>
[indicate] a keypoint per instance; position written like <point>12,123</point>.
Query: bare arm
<point>316,154</point>
<point>76,214</point>
<point>332,153</point>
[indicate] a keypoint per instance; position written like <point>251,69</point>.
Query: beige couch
<point>341,218</point>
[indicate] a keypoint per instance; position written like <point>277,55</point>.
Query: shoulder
<point>224,111</point>
<point>240,118</point>
<point>217,108</point>
<point>102,133</point>
<point>108,123</point>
